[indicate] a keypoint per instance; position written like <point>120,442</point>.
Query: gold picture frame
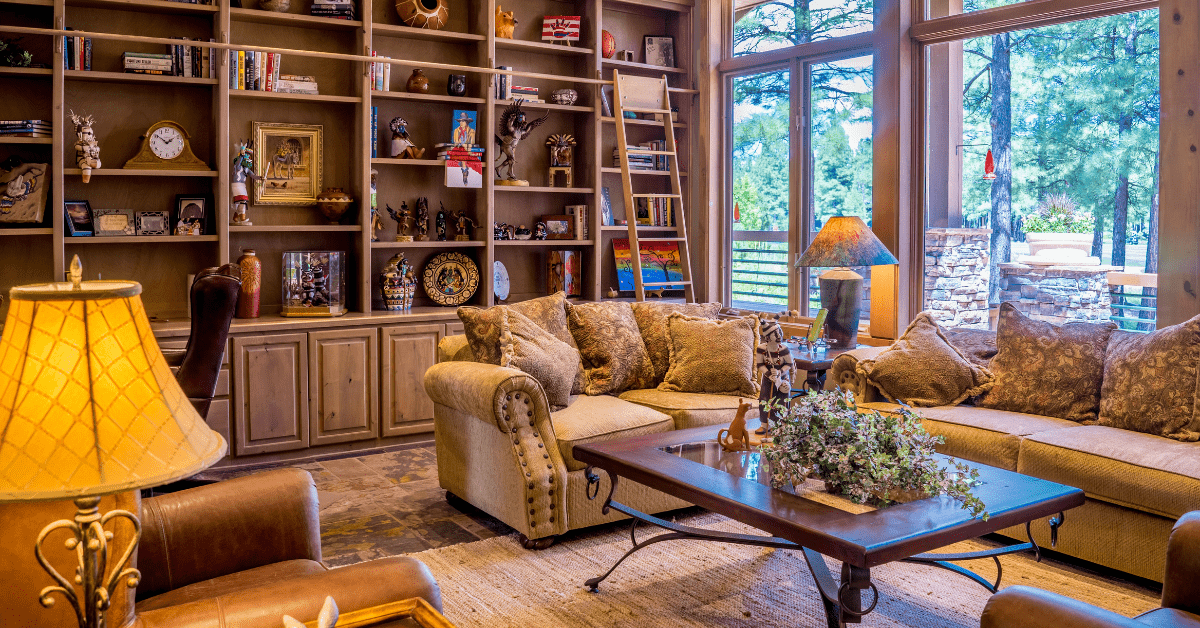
<point>289,158</point>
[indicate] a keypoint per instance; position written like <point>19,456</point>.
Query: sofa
<point>1136,484</point>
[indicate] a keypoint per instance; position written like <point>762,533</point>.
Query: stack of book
<point>528,94</point>
<point>190,61</point>
<point>77,53</point>
<point>459,152</point>
<point>336,9</point>
<point>644,162</point>
<point>655,212</point>
<point>25,128</point>
<point>147,63</point>
<point>381,75</point>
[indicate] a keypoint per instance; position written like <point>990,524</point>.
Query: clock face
<point>166,142</point>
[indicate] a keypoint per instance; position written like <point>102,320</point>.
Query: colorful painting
<point>560,28</point>
<point>463,131</point>
<point>660,262</point>
<point>464,174</point>
<point>565,273</point>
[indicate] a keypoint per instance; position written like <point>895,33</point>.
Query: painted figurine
<point>403,220</point>
<point>441,222</point>
<point>736,438</point>
<point>512,128</point>
<point>397,283</point>
<point>402,146</point>
<point>464,226</point>
<point>540,232</point>
<point>775,367</point>
<point>243,171</point>
<point>422,219</point>
<point>87,149</point>
<point>505,23</point>
<point>376,221</point>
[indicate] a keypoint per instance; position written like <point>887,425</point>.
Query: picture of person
<point>464,133</point>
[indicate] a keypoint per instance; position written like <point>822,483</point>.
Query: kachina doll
<point>441,222</point>
<point>403,220</point>
<point>422,219</point>
<point>775,367</point>
<point>376,221</point>
<point>243,171</point>
<point>463,225</point>
<point>402,146</point>
<point>87,149</point>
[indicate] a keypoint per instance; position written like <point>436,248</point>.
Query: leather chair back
<point>214,300</point>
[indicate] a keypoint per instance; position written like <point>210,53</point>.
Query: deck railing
<point>760,269</point>
<point>1134,300</point>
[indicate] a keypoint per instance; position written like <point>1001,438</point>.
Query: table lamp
<point>89,407</point>
<point>843,242</point>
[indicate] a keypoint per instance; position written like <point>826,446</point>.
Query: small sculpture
<point>775,367</point>
<point>422,219</point>
<point>87,149</point>
<point>333,203</point>
<point>464,226</point>
<point>243,170</point>
<point>736,438</point>
<point>376,221</point>
<point>566,96</point>
<point>314,285</point>
<point>403,220</point>
<point>397,283</point>
<point>504,231</point>
<point>326,619</point>
<point>540,232</point>
<point>512,128</point>
<point>522,233</point>
<point>658,294</point>
<point>456,85</point>
<point>505,23</point>
<point>402,146</point>
<point>562,156</point>
<point>441,222</point>
<point>613,293</point>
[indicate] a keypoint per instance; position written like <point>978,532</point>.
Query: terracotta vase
<point>334,202</point>
<point>250,293</point>
<point>418,83</point>
<point>431,14</point>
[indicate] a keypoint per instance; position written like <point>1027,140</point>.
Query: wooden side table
<point>814,364</point>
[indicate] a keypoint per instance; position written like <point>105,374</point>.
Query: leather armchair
<point>1033,608</point>
<point>213,295</point>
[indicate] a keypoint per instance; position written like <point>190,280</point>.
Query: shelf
<point>624,229</point>
<point>292,228</point>
<point>123,77</point>
<point>392,30</point>
<point>548,105</point>
<point>292,19</point>
<point>664,5</point>
<point>430,244</point>
<point>148,6</point>
<point>26,72</point>
<point>545,242</point>
<point>163,239</point>
<point>541,47</point>
<point>384,161</point>
<point>382,95</point>
<point>653,173</point>
<point>26,140</point>
<point>643,67</point>
<point>30,231</point>
<point>30,3</point>
<point>249,93</point>
<point>122,172</point>
<point>641,122</point>
<point>543,189</point>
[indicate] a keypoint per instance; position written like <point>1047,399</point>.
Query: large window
<point>763,25</point>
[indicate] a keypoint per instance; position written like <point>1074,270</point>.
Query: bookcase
<point>217,117</point>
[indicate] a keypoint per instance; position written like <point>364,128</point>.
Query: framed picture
<point>564,272</point>
<point>289,160</point>
<point>560,227</point>
<point>660,262</point>
<point>113,222</point>
<point>153,223</point>
<point>23,192</point>
<point>606,95</point>
<point>79,218</point>
<point>659,51</point>
<point>560,28</point>
<point>191,214</point>
<point>606,212</point>
<point>462,132</point>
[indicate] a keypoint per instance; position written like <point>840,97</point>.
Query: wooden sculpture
<point>736,438</point>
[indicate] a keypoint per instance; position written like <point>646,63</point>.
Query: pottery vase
<point>250,292</point>
<point>456,85</point>
<point>280,6</point>
<point>430,14</point>
<point>418,83</point>
<point>334,202</point>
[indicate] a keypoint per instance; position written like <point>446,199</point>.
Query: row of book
<point>260,72</point>
<point>644,162</point>
<point>179,60</point>
<point>505,90</point>
<point>336,9</point>
<point>459,152</point>
<point>25,128</point>
<point>655,212</point>
<point>381,75</point>
<point>77,53</point>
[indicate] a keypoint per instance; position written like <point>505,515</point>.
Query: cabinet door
<point>407,352</point>
<point>455,328</point>
<point>270,392</point>
<point>344,383</point>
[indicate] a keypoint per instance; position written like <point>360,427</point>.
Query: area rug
<point>678,584</point>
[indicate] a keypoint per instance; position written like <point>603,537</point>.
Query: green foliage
<point>782,23</point>
<point>870,457</point>
<point>1057,213</point>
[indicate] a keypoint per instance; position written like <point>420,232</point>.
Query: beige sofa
<point>1137,485</point>
<point>501,449</point>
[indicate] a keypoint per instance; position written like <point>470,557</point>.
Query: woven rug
<point>677,584</point>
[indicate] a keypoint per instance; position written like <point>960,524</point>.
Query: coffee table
<point>690,465</point>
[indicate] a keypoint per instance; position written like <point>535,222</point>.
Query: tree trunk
<point>1151,254</point>
<point>1098,237</point>
<point>1121,198</point>
<point>1001,193</point>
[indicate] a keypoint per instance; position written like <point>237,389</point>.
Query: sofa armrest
<point>1181,583</point>
<point>1026,607</point>
<point>844,374</point>
<point>455,349</point>
<point>227,527</point>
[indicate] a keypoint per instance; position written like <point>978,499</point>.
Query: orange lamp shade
<point>846,241</point>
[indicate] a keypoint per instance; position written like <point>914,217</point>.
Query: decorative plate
<point>500,281</point>
<point>451,278</point>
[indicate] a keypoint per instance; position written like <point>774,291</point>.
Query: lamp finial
<point>75,274</point>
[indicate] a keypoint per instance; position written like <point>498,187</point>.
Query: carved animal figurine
<point>326,619</point>
<point>422,219</point>
<point>87,149</point>
<point>512,128</point>
<point>463,226</point>
<point>403,220</point>
<point>658,294</point>
<point>243,171</point>
<point>612,293</point>
<point>505,23</point>
<point>441,222</point>
<point>402,146</point>
<point>736,438</point>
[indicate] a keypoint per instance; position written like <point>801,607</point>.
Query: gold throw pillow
<point>924,369</point>
<point>1150,381</point>
<point>527,347</point>
<point>652,322</point>
<point>614,355</point>
<point>482,327</point>
<point>712,356</point>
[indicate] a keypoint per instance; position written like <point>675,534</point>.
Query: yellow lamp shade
<point>88,405</point>
<point>846,241</point>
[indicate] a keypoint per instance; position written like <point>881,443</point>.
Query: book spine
<point>241,69</point>
<point>374,68</point>
<point>275,73</point>
<point>87,53</point>
<point>387,77</point>
<point>374,132</point>
<point>262,71</point>
<point>68,57</point>
<point>268,83</point>
<point>233,69</point>
<point>187,62</point>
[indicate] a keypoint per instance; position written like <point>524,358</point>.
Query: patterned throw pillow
<point>527,347</point>
<point>652,321</point>
<point>482,327</point>
<point>715,357</point>
<point>1047,369</point>
<point>922,368</point>
<point>613,352</point>
<point>1150,382</point>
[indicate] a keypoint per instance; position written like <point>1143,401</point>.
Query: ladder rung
<point>656,196</point>
<point>647,151</point>
<point>641,110</point>
<point>656,284</point>
<point>664,240</point>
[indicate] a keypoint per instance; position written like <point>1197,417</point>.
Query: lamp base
<point>841,295</point>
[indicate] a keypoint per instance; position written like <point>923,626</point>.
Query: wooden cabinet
<point>407,352</point>
<point>343,379</point>
<point>454,329</point>
<point>270,390</point>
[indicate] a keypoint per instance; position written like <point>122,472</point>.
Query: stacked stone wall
<point>1058,293</point>
<point>956,276</point>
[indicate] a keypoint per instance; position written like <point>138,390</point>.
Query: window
<point>764,25</point>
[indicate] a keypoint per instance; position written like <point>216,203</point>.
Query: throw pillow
<point>527,347</point>
<point>652,322</point>
<point>1150,382</point>
<point>978,345</point>
<point>613,352</point>
<point>482,327</point>
<point>712,356</point>
<point>1047,369</point>
<point>923,368</point>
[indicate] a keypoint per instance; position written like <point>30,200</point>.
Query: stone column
<point>956,276</point>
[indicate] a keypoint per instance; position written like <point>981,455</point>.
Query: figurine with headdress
<point>512,128</point>
<point>243,171</point>
<point>464,225</point>
<point>441,222</point>
<point>87,149</point>
<point>402,146</point>
<point>422,219</point>
<point>403,220</point>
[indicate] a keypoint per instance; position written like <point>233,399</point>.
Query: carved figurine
<point>522,233</point>
<point>775,367</point>
<point>376,221</point>
<point>403,220</point>
<point>464,226</point>
<point>397,283</point>
<point>402,146</point>
<point>613,293</point>
<point>243,171</point>
<point>736,438</point>
<point>327,618</point>
<point>540,232</point>
<point>441,222</point>
<point>512,128</point>
<point>87,149</point>
<point>505,23</point>
<point>314,285</point>
<point>562,156</point>
<point>422,219</point>
<point>504,231</point>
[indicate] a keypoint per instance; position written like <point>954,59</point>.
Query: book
<point>462,128</point>
<point>374,134</point>
<point>241,69</point>
<point>275,72</point>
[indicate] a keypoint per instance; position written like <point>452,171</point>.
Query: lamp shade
<point>846,241</point>
<point>88,405</point>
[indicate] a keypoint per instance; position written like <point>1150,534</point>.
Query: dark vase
<point>251,291</point>
<point>456,85</point>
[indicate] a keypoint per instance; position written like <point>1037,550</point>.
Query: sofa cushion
<point>687,409</point>
<point>1141,471</point>
<point>482,327</point>
<point>1150,382</point>
<point>651,317</point>
<point>979,345</point>
<point>231,583</point>
<point>613,351</point>
<point>595,419</point>
<point>923,369</point>
<point>710,356</point>
<point>1052,370</point>
<point>533,350</point>
<point>983,435</point>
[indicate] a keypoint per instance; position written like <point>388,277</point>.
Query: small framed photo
<point>79,218</point>
<point>191,212</point>
<point>113,222</point>
<point>560,227</point>
<point>659,51</point>
<point>560,28</point>
<point>153,223</point>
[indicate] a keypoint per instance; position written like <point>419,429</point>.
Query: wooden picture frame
<point>23,193</point>
<point>113,222</point>
<point>659,51</point>
<point>191,214</point>
<point>78,218</point>
<point>417,610</point>
<point>559,226</point>
<point>152,223</point>
<point>289,158</point>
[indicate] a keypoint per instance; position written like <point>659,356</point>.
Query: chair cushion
<point>613,351</point>
<point>983,435</point>
<point>527,347</point>
<point>1141,471</point>
<point>1150,382</point>
<point>1169,618</point>
<point>455,349</point>
<point>232,583</point>
<point>710,356</point>
<point>651,317</point>
<point>687,409</point>
<point>595,419</point>
<point>923,369</point>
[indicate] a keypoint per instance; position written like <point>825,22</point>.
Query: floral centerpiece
<point>1057,213</point>
<point>872,458</point>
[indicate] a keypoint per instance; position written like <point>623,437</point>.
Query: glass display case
<point>314,283</point>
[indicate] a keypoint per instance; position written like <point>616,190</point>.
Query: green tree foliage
<point>782,23</point>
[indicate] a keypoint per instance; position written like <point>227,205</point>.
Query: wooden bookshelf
<point>259,16</point>
<point>124,77</point>
<point>323,98</point>
<point>26,140</point>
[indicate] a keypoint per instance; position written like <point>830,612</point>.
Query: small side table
<point>814,364</point>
